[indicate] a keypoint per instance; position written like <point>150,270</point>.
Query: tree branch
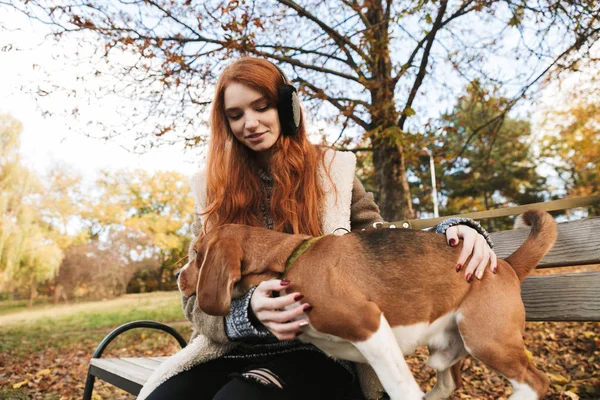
<point>500,117</point>
<point>171,16</point>
<point>302,51</point>
<point>426,39</point>
<point>341,40</point>
<point>300,64</point>
<point>320,93</point>
<point>357,9</point>
<point>424,61</point>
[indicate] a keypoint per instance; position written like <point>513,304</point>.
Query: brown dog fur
<point>409,276</point>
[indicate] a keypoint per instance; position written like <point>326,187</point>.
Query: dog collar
<point>298,251</point>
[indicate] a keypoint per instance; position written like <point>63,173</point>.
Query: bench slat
<point>148,363</point>
<point>128,370</point>
<point>578,243</point>
<point>159,359</point>
<point>563,297</point>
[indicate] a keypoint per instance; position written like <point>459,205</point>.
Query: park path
<point>63,310</point>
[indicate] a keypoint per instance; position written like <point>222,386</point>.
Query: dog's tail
<point>540,241</point>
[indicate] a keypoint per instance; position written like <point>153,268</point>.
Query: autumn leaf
<point>20,384</point>
<point>571,395</point>
<point>558,378</point>
<point>46,371</point>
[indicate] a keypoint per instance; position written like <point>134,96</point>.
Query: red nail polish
<point>299,296</point>
<point>453,242</point>
<point>469,277</point>
<point>285,282</point>
<point>458,267</point>
<point>307,309</point>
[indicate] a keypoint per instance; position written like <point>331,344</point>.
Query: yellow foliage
<point>20,384</point>
<point>46,371</point>
<point>29,253</point>
<point>156,205</point>
<point>148,213</point>
<point>558,378</point>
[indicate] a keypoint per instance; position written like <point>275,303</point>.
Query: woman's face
<point>253,121</point>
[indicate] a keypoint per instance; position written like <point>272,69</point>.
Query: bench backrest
<point>565,296</point>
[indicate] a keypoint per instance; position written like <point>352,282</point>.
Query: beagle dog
<point>379,294</point>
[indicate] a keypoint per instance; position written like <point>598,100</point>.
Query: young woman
<point>263,171</point>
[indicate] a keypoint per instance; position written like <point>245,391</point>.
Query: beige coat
<point>349,207</point>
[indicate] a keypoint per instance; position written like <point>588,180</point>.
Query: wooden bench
<point>127,373</point>
<point>561,297</point>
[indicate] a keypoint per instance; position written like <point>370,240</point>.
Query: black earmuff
<point>288,107</point>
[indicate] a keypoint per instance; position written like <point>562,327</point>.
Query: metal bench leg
<point>91,378</point>
<point>89,385</point>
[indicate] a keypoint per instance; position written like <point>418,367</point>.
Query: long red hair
<point>235,191</point>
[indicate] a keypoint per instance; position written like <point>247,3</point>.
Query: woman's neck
<point>263,159</point>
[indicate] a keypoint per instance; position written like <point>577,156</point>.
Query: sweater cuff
<point>240,324</point>
<point>444,225</point>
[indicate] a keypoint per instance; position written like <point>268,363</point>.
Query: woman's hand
<point>269,310</point>
<point>475,245</point>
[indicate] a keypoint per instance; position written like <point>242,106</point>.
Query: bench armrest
<point>133,325</point>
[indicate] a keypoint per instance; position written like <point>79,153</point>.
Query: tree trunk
<point>32,294</point>
<point>59,294</point>
<point>395,200</point>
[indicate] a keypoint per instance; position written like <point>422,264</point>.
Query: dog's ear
<point>220,270</point>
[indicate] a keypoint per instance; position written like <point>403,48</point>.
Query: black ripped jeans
<point>302,374</point>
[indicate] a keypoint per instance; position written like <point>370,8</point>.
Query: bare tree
<point>97,270</point>
<point>378,69</point>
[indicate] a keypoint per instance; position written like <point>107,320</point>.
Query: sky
<point>46,140</point>
<point>26,59</point>
<point>59,138</point>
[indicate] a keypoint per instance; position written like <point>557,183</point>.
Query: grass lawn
<point>45,350</point>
